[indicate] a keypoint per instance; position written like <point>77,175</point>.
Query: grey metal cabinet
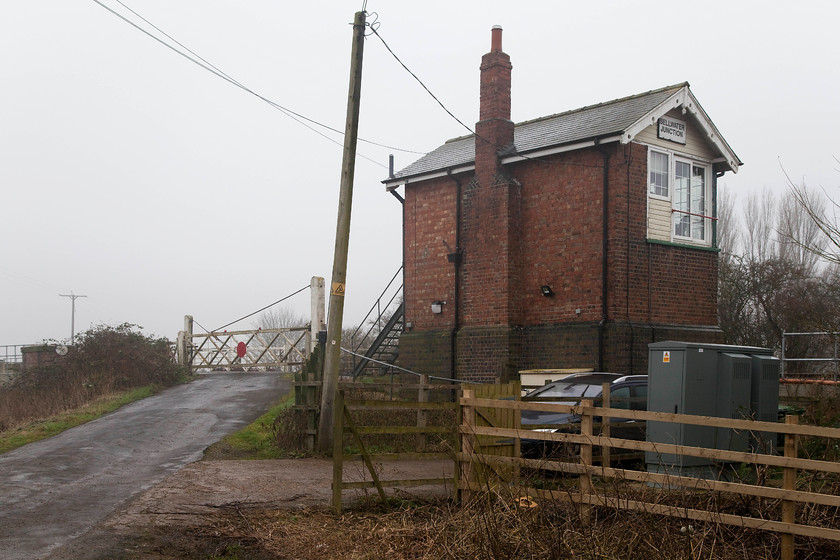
<point>707,380</point>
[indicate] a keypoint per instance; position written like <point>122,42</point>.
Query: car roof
<point>590,378</point>
<point>631,378</point>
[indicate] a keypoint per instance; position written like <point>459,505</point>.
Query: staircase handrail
<point>383,334</point>
<point>376,305</point>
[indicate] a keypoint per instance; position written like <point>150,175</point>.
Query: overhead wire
<point>201,62</point>
<point>374,30</point>
<point>398,368</point>
<point>262,309</point>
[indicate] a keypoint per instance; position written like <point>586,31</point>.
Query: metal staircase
<point>377,347</point>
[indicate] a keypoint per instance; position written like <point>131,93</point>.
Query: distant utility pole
<point>72,297</point>
<point>332,355</point>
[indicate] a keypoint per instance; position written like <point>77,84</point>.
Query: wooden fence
<point>392,422</point>
<point>481,470</point>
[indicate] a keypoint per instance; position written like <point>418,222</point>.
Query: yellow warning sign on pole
<point>337,289</point>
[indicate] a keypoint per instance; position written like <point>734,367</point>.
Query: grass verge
<point>42,429</point>
<point>254,441</point>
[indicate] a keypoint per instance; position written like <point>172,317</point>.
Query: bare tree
<point>759,240</point>
<point>769,283</point>
<point>280,318</point>
<point>823,240</point>
<point>727,224</point>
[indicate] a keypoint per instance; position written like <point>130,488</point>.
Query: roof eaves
<point>560,148</point>
<point>685,98</point>
<point>714,135</point>
<point>394,182</point>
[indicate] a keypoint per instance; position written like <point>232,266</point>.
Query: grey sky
<point>138,179</point>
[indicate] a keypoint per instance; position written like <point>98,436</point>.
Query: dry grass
<point>500,530</point>
<point>495,526</point>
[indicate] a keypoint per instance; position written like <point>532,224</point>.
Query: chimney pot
<point>496,39</point>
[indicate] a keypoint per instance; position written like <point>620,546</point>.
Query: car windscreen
<point>571,390</point>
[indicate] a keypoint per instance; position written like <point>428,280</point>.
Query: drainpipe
<point>605,230</point>
<point>715,177</point>
<point>455,258</point>
<point>402,243</point>
<point>394,190</point>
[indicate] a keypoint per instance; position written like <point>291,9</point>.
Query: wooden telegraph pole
<point>342,238</point>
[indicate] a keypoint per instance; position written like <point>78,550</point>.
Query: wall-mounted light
<point>437,307</point>
<point>546,291</point>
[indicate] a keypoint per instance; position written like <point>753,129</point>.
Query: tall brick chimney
<point>488,340</point>
<point>494,129</point>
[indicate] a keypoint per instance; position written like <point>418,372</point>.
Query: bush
<point>104,360</point>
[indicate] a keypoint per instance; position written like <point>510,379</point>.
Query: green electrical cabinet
<point>706,380</point>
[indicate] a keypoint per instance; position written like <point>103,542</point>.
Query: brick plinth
<point>490,354</point>
<point>427,351</point>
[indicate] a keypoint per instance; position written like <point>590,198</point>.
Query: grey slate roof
<point>593,121</point>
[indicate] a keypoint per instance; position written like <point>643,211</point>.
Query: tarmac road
<point>57,489</point>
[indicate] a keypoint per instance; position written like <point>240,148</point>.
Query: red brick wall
<point>561,237</point>
<point>540,223</point>
<point>562,246</point>
<point>661,284</point>
<point>429,221</point>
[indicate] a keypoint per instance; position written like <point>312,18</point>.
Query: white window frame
<point>693,217</point>
<point>670,187</point>
<point>693,163</point>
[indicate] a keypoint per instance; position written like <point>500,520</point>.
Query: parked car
<point>628,392</point>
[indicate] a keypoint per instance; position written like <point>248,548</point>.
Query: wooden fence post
<point>467,439</point>
<point>311,400</point>
<point>299,378</point>
<point>456,472</point>
<point>338,450</point>
<point>422,415</point>
<point>517,425</point>
<point>789,483</point>
<point>305,400</point>
<point>586,429</point>
<point>605,425</point>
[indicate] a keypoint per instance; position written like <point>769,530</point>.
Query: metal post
<point>73,298</point>
<point>782,365</point>
<point>332,355</point>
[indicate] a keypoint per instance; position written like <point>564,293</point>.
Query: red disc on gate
<point>240,349</point>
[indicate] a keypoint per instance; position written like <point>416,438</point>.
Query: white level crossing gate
<point>284,349</point>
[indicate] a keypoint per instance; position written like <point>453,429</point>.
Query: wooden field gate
<point>428,415</point>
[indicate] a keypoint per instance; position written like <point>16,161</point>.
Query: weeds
<point>104,361</point>
<point>499,528</point>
